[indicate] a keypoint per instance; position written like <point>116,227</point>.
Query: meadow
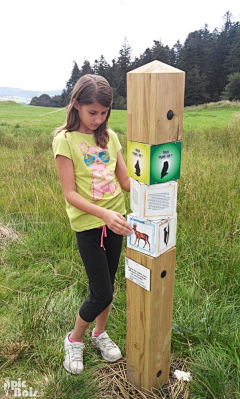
<point>42,279</point>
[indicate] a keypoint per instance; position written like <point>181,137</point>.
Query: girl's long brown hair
<point>89,89</point>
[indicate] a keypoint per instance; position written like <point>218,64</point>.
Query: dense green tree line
<point>211,61</point>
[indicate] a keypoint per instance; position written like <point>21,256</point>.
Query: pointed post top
<point>156,67</point>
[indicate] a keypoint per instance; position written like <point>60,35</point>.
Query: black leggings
<point>101,267</point>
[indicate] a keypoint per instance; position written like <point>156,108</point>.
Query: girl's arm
<point>121,173</point>
<point>114,220</point>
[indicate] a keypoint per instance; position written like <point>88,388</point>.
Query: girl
<point>88,159</point>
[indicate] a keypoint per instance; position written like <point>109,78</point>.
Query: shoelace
<point>77,351</point>
<point>107,342</point>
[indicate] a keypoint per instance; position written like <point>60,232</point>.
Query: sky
<point>40,39</point>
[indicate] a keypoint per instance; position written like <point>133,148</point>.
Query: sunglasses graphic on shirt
<point>89,159</point>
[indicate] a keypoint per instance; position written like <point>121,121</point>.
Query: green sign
<point>152,164</point>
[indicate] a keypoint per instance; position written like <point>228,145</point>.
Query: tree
<point>196,84</point>
<point>75,75</point>
<point>226,40</point>
<point>193,52</point>
<point>42,101</point>
<point>227,22</point>
<point>208,58</point>
<point>232,89</point>
<point>34,101</point>
<point>56,101</point>
<point>177,48</point>
<point>124,59</point>
<point>162,53</point>
<point>115,73</point>
<point>201,49</point>
<point>102,68</point>
<point>232,61</point>
<point>86,69</point>
<point>146,57</point>
<point>124,63</point>
<point>120,103</point>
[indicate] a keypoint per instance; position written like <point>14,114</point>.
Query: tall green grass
<point>42,279</point>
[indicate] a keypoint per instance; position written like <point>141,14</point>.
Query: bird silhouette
<point>164,169</point>
<point>166,234</point>
<point>137,168</point>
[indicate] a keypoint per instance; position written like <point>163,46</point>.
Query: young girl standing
<point>92,173</point>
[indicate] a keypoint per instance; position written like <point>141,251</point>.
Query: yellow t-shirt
<point>94,170</point>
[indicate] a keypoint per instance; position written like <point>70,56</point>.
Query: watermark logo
<point>19,389</point>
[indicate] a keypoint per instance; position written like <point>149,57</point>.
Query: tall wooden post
<point>155,101</point>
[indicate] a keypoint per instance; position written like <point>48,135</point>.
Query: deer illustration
<point>140,236</point>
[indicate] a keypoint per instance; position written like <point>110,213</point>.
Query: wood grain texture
<point>153,90</point>
<point>149,321</point>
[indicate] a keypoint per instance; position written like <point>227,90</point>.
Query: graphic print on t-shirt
<point>103,179</point>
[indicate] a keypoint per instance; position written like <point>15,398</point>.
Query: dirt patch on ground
<point>113,381</point>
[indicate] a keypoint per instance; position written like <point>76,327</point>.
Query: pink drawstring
<point>104,234</point>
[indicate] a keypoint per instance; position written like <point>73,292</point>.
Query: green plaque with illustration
<point>151,164</point>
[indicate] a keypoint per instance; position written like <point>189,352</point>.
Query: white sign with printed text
<point>158,201</point>
<point>137,273</point>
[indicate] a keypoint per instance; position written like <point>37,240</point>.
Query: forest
<point>211,61</point>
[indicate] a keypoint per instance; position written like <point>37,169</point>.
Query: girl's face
<point>91,116</point>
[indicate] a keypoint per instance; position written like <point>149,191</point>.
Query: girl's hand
<point>116,222</point>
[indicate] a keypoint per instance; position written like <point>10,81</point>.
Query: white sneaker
<point>109,350</point>
<point>73,356</point>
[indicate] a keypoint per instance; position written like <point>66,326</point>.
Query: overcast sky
<point>40,39</point>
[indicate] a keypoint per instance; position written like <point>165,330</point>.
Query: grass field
<point>42,281</point>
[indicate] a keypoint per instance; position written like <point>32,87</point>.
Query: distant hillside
<point>23,96</point>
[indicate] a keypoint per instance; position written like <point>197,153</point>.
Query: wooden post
<point>155,101</point>
<point>154,90</point>
<point>149,321</point>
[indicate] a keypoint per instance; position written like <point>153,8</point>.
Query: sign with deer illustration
<point>152,237</point>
